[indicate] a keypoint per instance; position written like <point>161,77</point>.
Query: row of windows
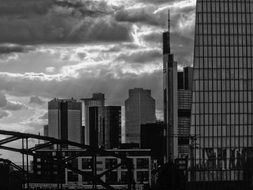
<point>224,62</point>
<point>112,177</point>
<point>215,175</point>
<point>142,163</point>
<point>217,142</point>
<point>224,29</point>
<point>223,51</point>
<point>224,131</point>
<point>225,6</point>
<point>224,41</point>
<point>222,108</point>
<point>222,75</point>
<point>235,86</point>
<point>224,17</point>
<point>227,120</point>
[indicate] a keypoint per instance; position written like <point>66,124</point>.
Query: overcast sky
<point>73,48</point>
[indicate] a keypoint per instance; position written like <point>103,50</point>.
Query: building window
<point>110,163</point>
<point>124,177</point>
<point>111,178</point>
<point>72,177</point>
<point>86,163</point>
<point>74,163</point>
<point>142,176</point>
<point>142,163</point>
<point>86,178</point>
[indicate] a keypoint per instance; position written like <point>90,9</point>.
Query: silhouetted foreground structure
<point>11,176</point>
<point>62,160</point>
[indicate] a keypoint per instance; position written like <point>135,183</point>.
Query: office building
<point>112,136</point>
<point>139,109</point>
<point>184,100</point>
<point>170,99</point>
<point>221,124</point>
<point>45,130</point>
<point>98,99</point>
<point>105,126</point>
<point>64,119</point>
<point>97,126</point>
<point>177,103</point>
<point>152,138</point>
<point>49,173</point>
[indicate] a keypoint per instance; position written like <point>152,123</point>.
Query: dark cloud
<point>24,8</point>
<point>86,7</point>
<point>141,56</point>
<point>36,100</point>
<point>14,48</point>
<point>141,15</point>
<point>158,1</point>
<point>60,22</point>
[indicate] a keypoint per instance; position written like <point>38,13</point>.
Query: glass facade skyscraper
<point>221,122</point>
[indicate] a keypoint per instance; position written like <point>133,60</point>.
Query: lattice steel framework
<point>63,161</point>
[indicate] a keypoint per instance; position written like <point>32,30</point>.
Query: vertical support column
<point>58,167</point>
<point>60,160</point>
<point>27,164</point>
<point>94,171</point>
<point>23,161</point>
<point>129,164</point>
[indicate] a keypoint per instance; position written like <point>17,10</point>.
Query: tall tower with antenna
<point>170,99</point>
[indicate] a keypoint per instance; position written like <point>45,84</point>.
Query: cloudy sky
<point>72,48</point>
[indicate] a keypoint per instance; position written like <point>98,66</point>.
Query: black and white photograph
<point>126,94</point>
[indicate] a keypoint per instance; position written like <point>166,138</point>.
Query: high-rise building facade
<point>152,138</point>
<point>139,109</point>
<point>105,126</point>
<point>96,125</point>
<point>64,119</point>
<point>98,99</point>
<point>170,99</point>
<point>112,115</point>
<point>221,124</point>
<point>184,100</point>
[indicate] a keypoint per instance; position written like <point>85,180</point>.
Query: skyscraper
<point>64,119</point>
<point>184,97</point>
<point>98,99</point>
<point>105,126</point>
<point>221,124</point>
<point>170,99</point>
<point>139,109</point>
<point>112,116</point>
<point>96,126</point>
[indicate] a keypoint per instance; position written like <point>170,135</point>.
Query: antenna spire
<point>169,20</point>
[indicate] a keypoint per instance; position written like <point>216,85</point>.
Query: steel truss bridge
<point>27,150</point>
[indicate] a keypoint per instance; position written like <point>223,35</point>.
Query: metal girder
<point>91,149</point>
<point>108,171</point>
<point>10,163</point>
<point>40,146</point>
<point>91,177</point>
<point>63,162</point>
<point>9,139</point>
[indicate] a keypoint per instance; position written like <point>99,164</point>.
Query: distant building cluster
<point>90,121</point>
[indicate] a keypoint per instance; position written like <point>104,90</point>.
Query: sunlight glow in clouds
<point>73,50</point>
<point>177,5</point>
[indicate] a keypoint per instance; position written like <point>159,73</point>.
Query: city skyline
<point>38,65</point>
